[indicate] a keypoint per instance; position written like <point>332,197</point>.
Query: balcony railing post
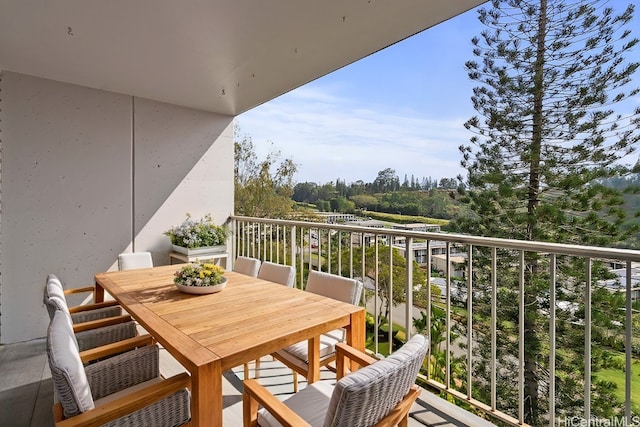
<point>494,327</point>
<point>470,321</point>
<point>409,286</point>
<point>587,341</point>
<point>447,375</point>
<point>521,354</point>
<point>628,346</point>
<point>429,304</point>
<point>552,340</point>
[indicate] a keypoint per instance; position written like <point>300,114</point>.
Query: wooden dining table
<point>209,334</point>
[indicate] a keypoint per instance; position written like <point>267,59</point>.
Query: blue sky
<point>401,108</point>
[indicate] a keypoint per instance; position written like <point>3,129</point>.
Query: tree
<point>263,188</point>
<point>550,74</point>
<point>387,180</point>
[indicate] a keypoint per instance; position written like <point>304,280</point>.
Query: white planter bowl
<point>200,290</point>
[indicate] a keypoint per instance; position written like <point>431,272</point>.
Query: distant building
<point>434,228</point>
<point>620,283</point>
<point>334,217</point>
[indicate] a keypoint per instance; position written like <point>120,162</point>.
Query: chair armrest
<point>87,307</point>
<point>115,348</point>
<point>80,327</point>
<point>79,290</point>
<point>255,394</point>
<point>127,404</point>
<point>343,352</point>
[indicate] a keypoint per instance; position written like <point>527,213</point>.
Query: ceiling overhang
<point>223,56</point>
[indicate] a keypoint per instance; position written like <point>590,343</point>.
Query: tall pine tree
<point>554,120</point>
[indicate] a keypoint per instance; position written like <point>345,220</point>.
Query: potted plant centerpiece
<point>198,237</point>
<point>200,278</point>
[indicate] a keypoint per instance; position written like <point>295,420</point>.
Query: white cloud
<point>331,137</point>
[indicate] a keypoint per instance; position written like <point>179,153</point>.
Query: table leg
<point>206,395</point>
<point>98,293</point>
<point>313,374</point>
<point>356,333</point>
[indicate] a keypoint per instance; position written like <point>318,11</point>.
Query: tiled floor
<point>26,391</point>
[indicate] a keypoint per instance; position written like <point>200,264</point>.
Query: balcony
<point>447,309</point>
<point>476,275</point>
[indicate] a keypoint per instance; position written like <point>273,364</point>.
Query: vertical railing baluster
<point>628,347</point>
<point>292,250</point>
<point>470,321</point>
<point>301,243</point>
<point>429,303</point>
<point>390,299</point>
<point>271,243</point>
<point>521,308</point>
<point>494,326</point>
<point>351,256</point>
<point>363,264</point>
<point>284,236</point>
<point>318,248</point>
<point>264,242</point>
<point>587,341</point>
<point>409,287</point>
<point>329,254</point>
<point>552,340</point>
<point>309,253</point>
<point>375,300</point>
<point>447,345</point>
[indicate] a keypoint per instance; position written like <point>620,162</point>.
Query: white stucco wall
<point>87,174</point>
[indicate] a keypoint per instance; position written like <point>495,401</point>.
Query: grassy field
<point>406,219</point>
<point>617,377</point>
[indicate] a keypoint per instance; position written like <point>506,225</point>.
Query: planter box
<point>204,250</point>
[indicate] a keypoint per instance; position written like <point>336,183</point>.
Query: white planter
<point>201,290</point>
<point>204,250</point>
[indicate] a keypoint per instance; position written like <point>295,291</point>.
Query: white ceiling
<point>224,56</point>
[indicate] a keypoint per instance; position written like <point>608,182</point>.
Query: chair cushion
<point>135,260</point>
<point>278,273</point>
<point>56,299</point>
<point>310,403</point>
<point>328,343</point>
<point>333,286</point>
<point>246,265</point>
<point>364,397</point>
<point>53,279</point>
<point>69,378</point>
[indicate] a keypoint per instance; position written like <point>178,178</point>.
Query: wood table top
<point>248,319</point>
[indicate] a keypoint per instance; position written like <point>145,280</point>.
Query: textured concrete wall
<point>88,174</point>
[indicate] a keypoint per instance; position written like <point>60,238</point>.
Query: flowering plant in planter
<point>195,234</point>
<point>199,274</point>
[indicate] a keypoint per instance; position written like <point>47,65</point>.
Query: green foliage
<point>195,234</point>
<point>263,188</point>
<point>391,277</point>
<point>549,76</point>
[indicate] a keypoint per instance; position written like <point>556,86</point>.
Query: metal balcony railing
<point>481,346</point>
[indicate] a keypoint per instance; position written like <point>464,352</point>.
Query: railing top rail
<point>528,246</point>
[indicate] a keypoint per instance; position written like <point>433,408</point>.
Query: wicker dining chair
<point>134,260</point>
<point>80,313</point>
<point>278,273</point>
<point>296,356</point>
<point>90,331</point>
<point>379,394</point>
<point>123,390</point>
<point>246,265</point>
